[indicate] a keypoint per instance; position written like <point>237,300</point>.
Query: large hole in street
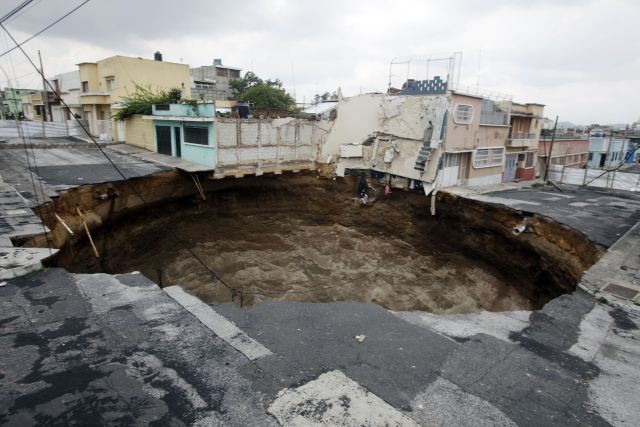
<point>300,238</point>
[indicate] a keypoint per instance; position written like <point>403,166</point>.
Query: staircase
<point>423,157</point>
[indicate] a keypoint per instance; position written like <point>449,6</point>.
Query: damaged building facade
<point>440,137</point>
<point>425,132</point>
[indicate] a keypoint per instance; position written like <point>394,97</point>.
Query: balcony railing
<point>522,135</point>
<point>521,139</point>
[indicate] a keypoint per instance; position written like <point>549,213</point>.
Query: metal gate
<point>163,139</point>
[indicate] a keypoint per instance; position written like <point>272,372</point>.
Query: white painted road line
<point>220,326</point>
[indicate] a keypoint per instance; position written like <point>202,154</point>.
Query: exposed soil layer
<point>301,238</point>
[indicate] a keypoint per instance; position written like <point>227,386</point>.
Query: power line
<point>15,10</point>
<point>26,153</point>
<point>233,290</point>
<point>628,155</point>
<point>17,15</point>
<point>19,45</point>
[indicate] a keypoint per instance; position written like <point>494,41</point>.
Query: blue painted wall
<point>201,154</point>
<point>184,110</point>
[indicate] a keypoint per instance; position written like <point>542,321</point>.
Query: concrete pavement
<point>117,349</point>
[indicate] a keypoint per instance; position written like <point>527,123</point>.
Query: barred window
<point>196,135</point>
<point>496,156</point>
<point>481,158</point>
<point>463,114</point>
<point>487,157</point>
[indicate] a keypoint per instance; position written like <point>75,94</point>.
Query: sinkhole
<point>305,238</point>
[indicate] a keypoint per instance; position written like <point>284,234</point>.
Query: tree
<point>239,86</point>
<point>262,94</point>
<point>266,97</point>
<point>317,98</point>
<point>143,97</point>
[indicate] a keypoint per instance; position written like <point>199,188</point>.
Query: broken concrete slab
<point>19,261</point>
<point>334,399</point>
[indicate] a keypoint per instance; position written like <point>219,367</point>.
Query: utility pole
<point>553,137</point>
<point>45,98</point>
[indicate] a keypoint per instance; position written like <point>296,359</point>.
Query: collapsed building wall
<point>399,135</point>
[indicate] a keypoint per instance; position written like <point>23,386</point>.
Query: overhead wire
<point>19,45</point>
<point>234,291</point>
<point>20,131</point>
<point>606,171</point>
<point>26,9</point>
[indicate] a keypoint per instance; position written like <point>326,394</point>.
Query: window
<point>163,107</point>
<point>463,114</point>
<point>481,158</point>
<point>194,135</point>
<point>529,162</point>
<point>111,84</point>
<point>590,156</point>
<point>496,156</point>
<point>487,157</point>
<point>451,160</point>
<point>85,86</point>
<point>205,85</point>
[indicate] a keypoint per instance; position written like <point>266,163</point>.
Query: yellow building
<point>105,83</point>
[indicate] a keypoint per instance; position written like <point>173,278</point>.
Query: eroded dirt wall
<point>277,237</point>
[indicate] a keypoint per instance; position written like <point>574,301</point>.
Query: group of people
<point>362,190</point>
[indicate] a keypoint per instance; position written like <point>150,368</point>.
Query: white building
<point>68,87</point>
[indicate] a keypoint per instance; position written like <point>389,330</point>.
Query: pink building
<point>568,150</point>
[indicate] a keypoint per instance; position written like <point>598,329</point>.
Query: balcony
<point>521,139</point>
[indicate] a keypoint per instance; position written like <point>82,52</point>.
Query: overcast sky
<point>580,58</point>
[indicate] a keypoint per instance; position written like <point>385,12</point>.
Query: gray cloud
<point>578,57</point>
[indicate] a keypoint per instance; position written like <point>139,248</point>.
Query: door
<point>121,135</point>
<point>178,141</point>
<point>463,171</point>
<point>603,159</point>
<point>450,170</point>
<point>163,139</point>
<point>510,164</point>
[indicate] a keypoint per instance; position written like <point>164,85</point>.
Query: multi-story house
<point>606,149</point>
<point>436,136</point>
<point>105,83</point>
<point>12,102</point>
<point>67,86</point>
<point>569,150</point>
<point>525,126</point>
<point>34,107</point>
<point>211,82</point>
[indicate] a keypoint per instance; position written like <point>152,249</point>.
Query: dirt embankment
<point>302,238</point>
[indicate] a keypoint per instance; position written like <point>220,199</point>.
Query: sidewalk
<point>148,156</point>
<point>466,191</point>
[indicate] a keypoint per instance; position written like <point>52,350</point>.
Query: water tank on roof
<point>157,56</point>
<point>217,61</point>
